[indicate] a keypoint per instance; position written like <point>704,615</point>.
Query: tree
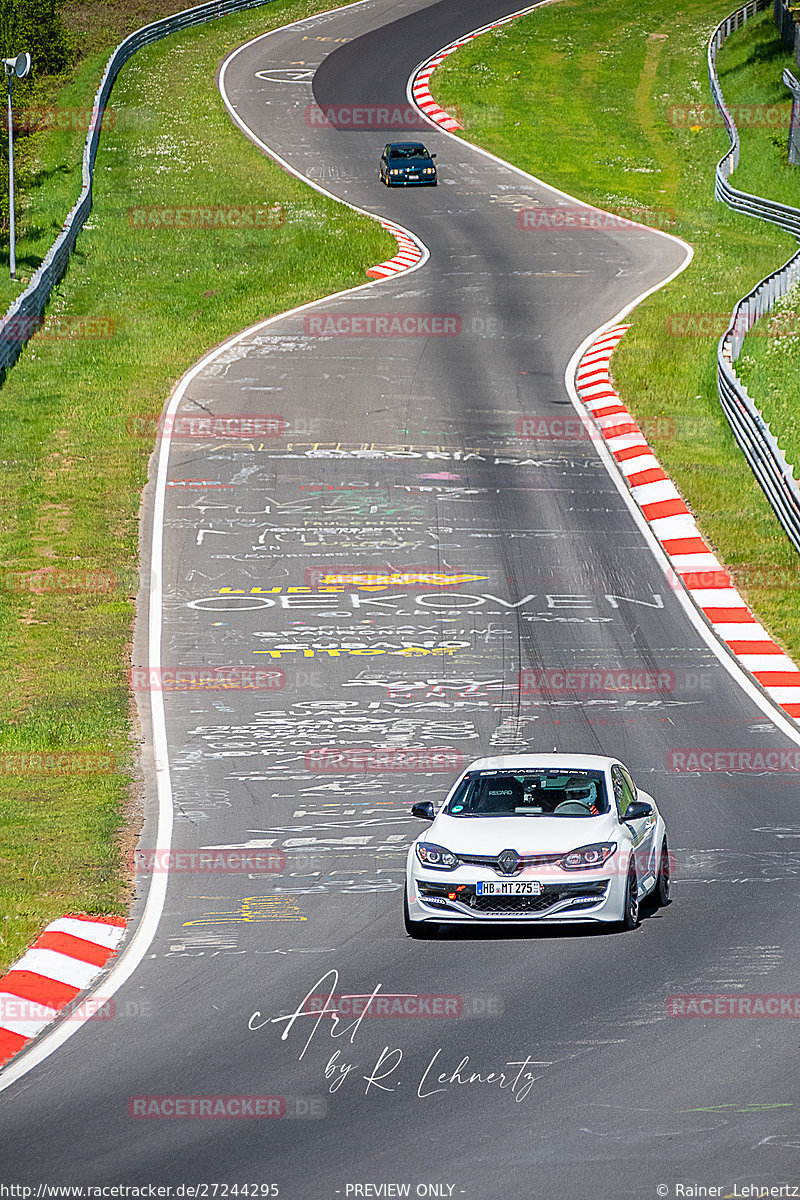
<point>36,26</point>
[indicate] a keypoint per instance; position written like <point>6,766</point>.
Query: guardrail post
<point>794,125</point>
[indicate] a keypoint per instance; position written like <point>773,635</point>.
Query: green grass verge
<point>770,363</point>
<point>594,100</point>
<point>74,467</point>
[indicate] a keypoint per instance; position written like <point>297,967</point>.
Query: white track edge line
<point>135,950</point>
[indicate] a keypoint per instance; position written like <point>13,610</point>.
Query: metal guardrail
<point>751,431</point>
<point>24,316</point>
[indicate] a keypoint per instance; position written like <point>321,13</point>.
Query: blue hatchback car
<point>407,163</point>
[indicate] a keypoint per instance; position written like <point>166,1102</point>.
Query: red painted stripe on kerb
<point>10,1043</point>
<point>38,988</point>
<point>612,431</point>
<point>778,678</point>
<point>75,947</point>
<point>730,616</point>
<point>609,410</point>
<point>697,580</point>
<point>651,475</point>
<point>689,545</point>
<point>742,646</point>
<point>52,993</point>
<point>631,452</point>
<point>120,922</point>
<point>664,508</point>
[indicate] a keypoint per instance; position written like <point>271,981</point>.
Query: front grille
<point>525,861</point>
<point>551,894</point>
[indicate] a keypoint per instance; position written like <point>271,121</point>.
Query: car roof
<point>406,146</point>
<point>512,762</point>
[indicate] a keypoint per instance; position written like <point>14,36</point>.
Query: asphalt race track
<point>402,453</point>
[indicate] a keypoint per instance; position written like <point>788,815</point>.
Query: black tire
<point>660,895</point>
<point>630,918</point>
<point>413,928</point>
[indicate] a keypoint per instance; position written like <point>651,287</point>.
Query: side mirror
<point>638,809</point>
<point>423,810</point>
<point>433,156</point>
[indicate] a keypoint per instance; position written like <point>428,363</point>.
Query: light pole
<point>19,66</point>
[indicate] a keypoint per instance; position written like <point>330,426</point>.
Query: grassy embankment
<point>74,467</point>
<point>770,362</point>
<point>601,101</point>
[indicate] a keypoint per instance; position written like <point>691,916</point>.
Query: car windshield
<point>530,793</point>
<point>408,152</point>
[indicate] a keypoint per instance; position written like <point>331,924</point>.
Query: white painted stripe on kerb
<point>767,662</point>
<point>99,932</point>
<point>60,967</point>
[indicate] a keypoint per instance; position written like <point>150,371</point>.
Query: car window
<point>626,775</point>
<point>408,152</point>
<point>623,789</point>
<point>530,793</point>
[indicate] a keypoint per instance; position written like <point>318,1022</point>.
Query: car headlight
<point>428,170</point>
<point>436,857</point>
<point>394,171</point>
<point>587,858</point>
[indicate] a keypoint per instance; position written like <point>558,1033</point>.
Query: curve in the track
<point>696,567</point>
<point>415,462</point>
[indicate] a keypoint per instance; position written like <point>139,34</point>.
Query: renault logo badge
<point>508,862</point>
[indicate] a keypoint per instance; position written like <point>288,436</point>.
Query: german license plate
<point>508,887</point>
<point>414,177</point>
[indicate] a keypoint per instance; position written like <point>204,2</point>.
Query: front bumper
<point>401,181</point>
<point>578,897</point>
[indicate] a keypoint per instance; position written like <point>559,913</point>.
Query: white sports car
<point>538,838</point>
